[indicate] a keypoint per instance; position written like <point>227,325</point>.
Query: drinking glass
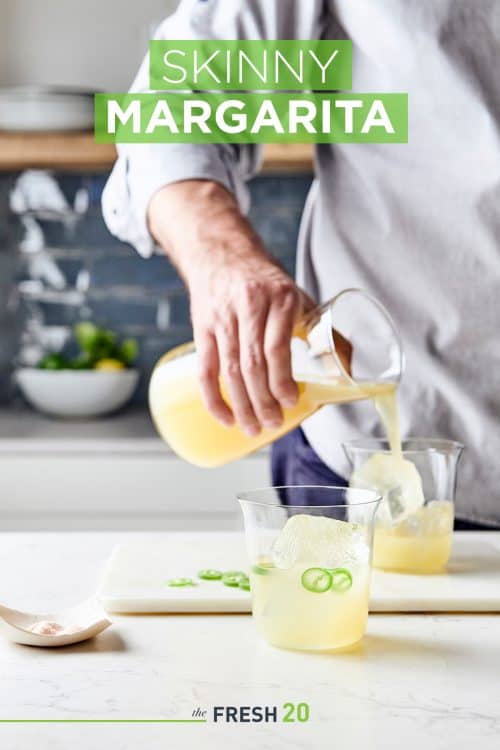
<point>419,542</point>
<point>310,566</point>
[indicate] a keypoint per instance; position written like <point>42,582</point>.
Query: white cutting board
<point>135,579</point>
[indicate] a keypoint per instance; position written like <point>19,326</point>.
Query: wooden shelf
<point>20,151</point>
<point>283,157</point>
<point>78,151</point>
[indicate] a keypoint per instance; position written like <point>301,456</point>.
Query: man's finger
<point>208,373</point>
<point>252,320</point>
<point>229,356</point>
<point>280,322</point>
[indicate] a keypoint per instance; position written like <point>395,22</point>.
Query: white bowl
<point>44,109</point>
<point>77,393</point>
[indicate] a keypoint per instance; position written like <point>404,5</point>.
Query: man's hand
<point>243,311</point>
<point>243,305</point>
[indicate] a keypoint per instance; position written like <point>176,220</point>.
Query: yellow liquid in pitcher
<point>288,616</point>
<point>194,434</point>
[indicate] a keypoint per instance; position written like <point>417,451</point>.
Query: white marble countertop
<point>421,682</point>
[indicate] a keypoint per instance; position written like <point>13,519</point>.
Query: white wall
<point>93,43</point>
<point>3,37</point>
<point>156,490</point>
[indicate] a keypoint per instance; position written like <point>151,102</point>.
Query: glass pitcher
<point>344,350</point>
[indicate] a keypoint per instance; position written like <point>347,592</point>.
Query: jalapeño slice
<point>316,580</point>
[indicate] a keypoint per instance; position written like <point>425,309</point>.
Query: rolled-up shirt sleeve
<point>143,169</point>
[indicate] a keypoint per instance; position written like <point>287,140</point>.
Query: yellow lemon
<point>109,364</point>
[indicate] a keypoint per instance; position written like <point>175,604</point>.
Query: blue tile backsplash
<point>79,270</point>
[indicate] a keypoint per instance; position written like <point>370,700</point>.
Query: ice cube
<point>412,525</point>
<point>434,519</point>
<point>396,479</point>
<point>320,540</point>
<point>439,518</point>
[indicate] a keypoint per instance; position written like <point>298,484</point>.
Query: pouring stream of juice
<point>387,407</point>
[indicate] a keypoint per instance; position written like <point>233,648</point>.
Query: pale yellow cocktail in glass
<point>414,524</point>
<point>310,565</point>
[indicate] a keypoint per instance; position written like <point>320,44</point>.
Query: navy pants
<point>294,462</point>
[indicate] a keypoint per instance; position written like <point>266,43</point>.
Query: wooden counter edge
<point>78,151</point>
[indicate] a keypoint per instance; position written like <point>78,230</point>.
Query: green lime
<point>129,350</point>
<point>53,362</point>
<point>82,362</point>
<point>341,579</point>
<point>316,580</point>
<point>207,574</point>
<point>179,582</point>
<point>244,584</point>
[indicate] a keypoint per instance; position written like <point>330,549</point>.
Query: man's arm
<point>243,305</point>
<point>191,200</point>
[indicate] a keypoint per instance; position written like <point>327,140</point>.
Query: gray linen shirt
<point>417,225</point>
